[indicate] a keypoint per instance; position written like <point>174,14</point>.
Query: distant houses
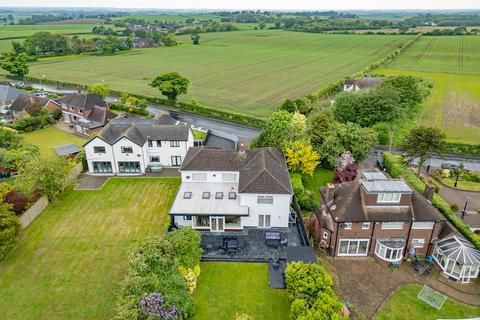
<point>160,27</point>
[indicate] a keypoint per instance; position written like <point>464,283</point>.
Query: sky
<point>255,4</point>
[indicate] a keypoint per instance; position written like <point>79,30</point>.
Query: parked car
<point>449,165</point>
<point>41,94</point>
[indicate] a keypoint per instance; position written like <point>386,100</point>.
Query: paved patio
<point>367,284</point>
<point>89,182</point>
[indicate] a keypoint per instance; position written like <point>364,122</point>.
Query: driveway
<point>459,197</point>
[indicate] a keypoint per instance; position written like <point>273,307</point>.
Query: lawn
<point>250,72</point>
<point>463,185</point>
<point>225,289</point>
<point>51,137</point>
<point>70,261</point>
<point>453,65</point>
<point>405,305</point>
<point>320,178</point>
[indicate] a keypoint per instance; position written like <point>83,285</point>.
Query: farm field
<point>21,31</point>
<point>249,72</point>
<point>164,17</point>
<point>454,104</point>
<point>221,293</point>
<point>70,261</point>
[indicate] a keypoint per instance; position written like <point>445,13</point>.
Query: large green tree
<point>13,158</point>
<point>9,138</point>
<point>99,88</point>
<point>171,85</point>
<point>15,64</point>
<point>421,142</point>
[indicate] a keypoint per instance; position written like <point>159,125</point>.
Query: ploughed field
<point>453,65</point>
<point>250,72</point>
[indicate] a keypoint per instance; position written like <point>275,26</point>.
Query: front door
<point>217,224</point>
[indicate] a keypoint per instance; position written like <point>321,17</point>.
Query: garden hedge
<point>395,168</point>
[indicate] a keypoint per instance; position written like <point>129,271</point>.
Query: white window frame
<point>199,176</point>
<point>262,221</point>
<point>365,225</point>
<point>104,149</point>
<point>418,243</point>
<point>325,235</point>
<point>123,148</point>
<point>348,247</point>
<point>388,197</point>
<point>392,225</point>
<point>232,177</point>
<point>155,156</point>
<point>265,200</point>
<point>347,226</point>
<point>174,143</point>
<point>423,225</point>
<point>381,249</point>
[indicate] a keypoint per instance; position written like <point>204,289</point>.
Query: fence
<point>300,224</point>
<point>33,212</point>
<point>75,172</point>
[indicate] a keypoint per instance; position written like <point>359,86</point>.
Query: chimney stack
<point>330,193</point>
<point>241,149</point>
<point>429,192</point>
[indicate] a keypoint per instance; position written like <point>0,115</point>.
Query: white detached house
<point>131,146</point>
<point>229,190</point>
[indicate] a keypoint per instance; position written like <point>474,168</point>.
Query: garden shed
<point>457,258</point>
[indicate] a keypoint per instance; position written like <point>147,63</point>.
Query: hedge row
<point>193,107</point>
<point>305,200</point>
<point>395,168</point>
<point>461,148</point>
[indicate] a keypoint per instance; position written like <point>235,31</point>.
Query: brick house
<point>27,104</point>
<point>87,112</point>
<point>377,216</point>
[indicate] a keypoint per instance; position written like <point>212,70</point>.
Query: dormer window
<point>206,195</point>
<point>389,197</point>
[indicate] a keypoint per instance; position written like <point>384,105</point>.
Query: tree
<point>262,26</point>
<point>457,172</point>
<point>195,38</point>
<point>277,131</point>
<point>129,42</point>
<point>13,158</point>
<point>99,88</point>
<point>9,228</point>
<point>421,142</point>
<point>301,158</point>
<point>171,85</point>
<point>289,106</point>
<point>9,138</point>
<point>15,64</point>
<point>48,176</point>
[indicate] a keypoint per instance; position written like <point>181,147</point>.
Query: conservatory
<point>458,258</point>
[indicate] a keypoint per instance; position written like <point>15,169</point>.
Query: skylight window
<point>187,195</point>
<point>219,195</point>
<point>232,195</point>
<point>206,195</point>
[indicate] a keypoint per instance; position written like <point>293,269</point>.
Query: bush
<point>454,207</point>
<point>9,228</point>
<point>395,169</point>
<point>9,138</point>
<point>16,200</point>
<point>305,201</point>
<point>349,173</point>
<point>383,132</point>
<point>434,182</point>
<point>186,246</point>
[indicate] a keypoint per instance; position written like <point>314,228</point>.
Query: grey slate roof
<point>99,117</point>
<point>9,93</point>
<point>262,170</point>
<point>66,149</point>
<point>385,185</point>
<point>83,100</point>
<point>139,130</point>
<point>28,102</point>
<point>369,82</point>
<point>374,175</point>
<point>460,250</point>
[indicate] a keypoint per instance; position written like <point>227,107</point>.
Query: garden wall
<point>33,212</point>
<point>75,172</point>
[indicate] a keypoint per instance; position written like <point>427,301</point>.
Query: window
<point>229,177</point>
<point>129,167</point>
<point>150,143</point>
<point>365,225</point>
<point>99,149</point>
<point>418,243</point>
<point>233,222</point>
<point>206,195</point>
<point>392,225</point>
<point>159,143</point>
<point>199,176</point>
<point>347,225</point>
<point>389,197</point>
<point>187,195</point>
<point>427,225</point>
<point>388,254</point>
<point>232,195</point>
<point>218,195</point>
<point>176,161</point>
<point>175,143</point>
<point>353,247</point>
<point>264,220</point>
<point>102,167</point>
<point>325,235</point>
<point>154,158</point>
<point>187,218</point>
<point>265,200</point>
<point>126,149</point>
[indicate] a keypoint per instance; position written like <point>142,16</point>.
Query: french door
<point>217,224</point>
<point>264,220</point>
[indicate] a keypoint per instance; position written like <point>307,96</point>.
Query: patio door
<point>264,220</point>
<point>217,224</point>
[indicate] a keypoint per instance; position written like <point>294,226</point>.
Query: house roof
<point>349,206</point>
<point>385,185</point>
<point>9,93</point>
<point>262,170</point>
<point>369,82</point>
<point>66,149</point>
<point>139,130</point>
<point>98,117</point>
<point>28,102</point>
<point>374,175</point>
<point>460,250</point>
<point>83,101</point>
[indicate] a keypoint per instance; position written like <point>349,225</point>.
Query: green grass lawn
<point>405,305</point>
<point>463,185</point>
<point>225,289</point>
<point>70,261</point>
<point>51,137</point>
<point>320,178</point>
<point>250,72</point>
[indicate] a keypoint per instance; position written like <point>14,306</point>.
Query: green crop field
<point>250,72</point>
<point>20,31</point>
<point>453,65</point>
<point>165,17</point>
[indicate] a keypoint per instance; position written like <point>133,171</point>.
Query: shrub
<point>383,132</point>
<point>349,173</point>
<point>9,138</point>
<point>454,207</point>
<point>16,200</point>
<point>13,158</point>
<point>433,182</point>
<point>186,246</point>
<point>9,228</point>
<point>154,306</point>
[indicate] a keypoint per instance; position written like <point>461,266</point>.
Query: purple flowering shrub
<point>154,306</point>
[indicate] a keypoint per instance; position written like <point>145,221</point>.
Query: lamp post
<point>465,207</point>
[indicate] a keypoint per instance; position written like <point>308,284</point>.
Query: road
<point>470,162</point>
<point>241,131</point>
